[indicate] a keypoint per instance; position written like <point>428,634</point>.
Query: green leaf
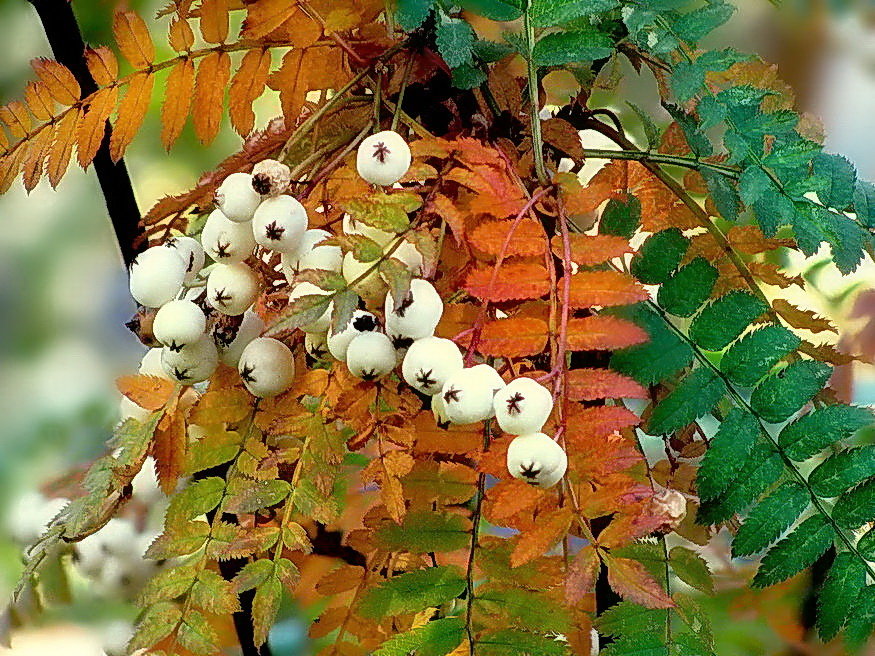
<point>249,496</point>
<point>410,14</point>
<point>694,397</point>
<point>651,132</point>
<point>156,623</point>
<point>344,305</point>
<point>561,48</point>
<point>842,471</point>
<point>862,621</point>
<point>856,507</point>
<point>724,193</point>
<point>762,469</point>
<point>821,427</point>
<point>836,179</point>
<point>455,40</point>
<point>253,574</point>
<point>688,288</point>
<point>727,454</point>
<point>522,608</point>
<point>265,606</point>
<point>497,10</point>
<point>510,642</point>
<point>798,550</point>
<point>864,203</point>
<point>621,218</point>
<point>167,585</point>
<point>787,391</point>
<point>836,597</point>
<point>770,518</point>
<point>725,319</point>
<point>197,499</point>
<point>435,638</point>
<point>213,594</point>
<point>866,544</point>
<point>547,13</point>
<point>387,212</point>
<point>468,76</point>
<point>412,592</point>
<point>654,361</point>
<point>423,532</point>
<point>659,256</point>
<point>753,356</point>
<point>691,568</point>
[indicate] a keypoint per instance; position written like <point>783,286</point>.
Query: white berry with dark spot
<point>150,365</point>
<point>237,198</point>
<point>418,313</point>
<point>523,406</point>
<point>383,158</point>
<point>468,396</point>
<point>178,323</point>
<point>232,342</point>
<point>191,252</point>
<point>429,362</point>
<point>313,255</point>
<point>157,275</point>
<point>361,322</point>
<point>227,241</point>
<point>536,459</point>
<point>267,367</point>
<point>316,345</point>
<point>270,177</point>
<point>279,224</point>
<point>370,356</point>
<point>193,363</point>
<point>232,288</point>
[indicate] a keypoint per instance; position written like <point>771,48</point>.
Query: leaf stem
<point>534,105</point>
<point>475,534</point>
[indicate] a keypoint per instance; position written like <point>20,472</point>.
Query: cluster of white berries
<point>254,211</point>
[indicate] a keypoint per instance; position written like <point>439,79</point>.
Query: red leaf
<point>633,582</point>
<point>516,281</point>
<point>582,574</point>
<point>602,332</point>
<point>603,288</point>
<point>588,424</point>
<point>592,384</point>
<point>513,338</point>
<point>589,250</point>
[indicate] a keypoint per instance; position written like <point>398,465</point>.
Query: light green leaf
<point>423,532</point>
<point>455,40</point>
<point>511,642</point>
<point>197,499</point>
<point>691,568</point>
<point>561,48</point>
<point>547,13</point>
<point>410,14</point>
<point>412,592</point>
<point>436,638</point>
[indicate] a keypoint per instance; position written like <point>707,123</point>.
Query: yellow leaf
<point>62,148</point>
<point>177,101</point>
<point>102,65</point>
<point>214,20</point>
<point>91,128</point>
<point>131,112</point>
<point>58,79</point>
<point>209,92</point>
<point>247,85</point>
<point>149,392</point>
<point>132,37</point>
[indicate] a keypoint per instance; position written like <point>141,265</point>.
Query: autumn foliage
<point>641,297</point>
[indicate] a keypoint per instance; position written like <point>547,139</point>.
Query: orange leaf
<point>589,250</point>
<point>588,424</point>
<point>209,92</point>
<point>102,65</point>
<point>516,281</point>
<point>247,85</point>
<point>603,332</point>
<point>214,20</point>
<point>291,81</point>
<point>771,274</point>
<point>751,240</point>
<point>39,101</point>
<point>582,575</point>
<point>550,529</point>
<point>633,582</point>
<point>592,384</point>
<point>62,149</point>
<point>447,210</point>
<point>58,80</point>
<point>489,237</point>
<point>177,101</point>
<point>221,406</point>
<point>513,338</point>
<point>805,319</point>
<point>149,392</point>
<point>92,127</point>
<point>507,498</point>
<point>132,37</point>
<point>180,35</point>
<point>265,16</point>
<point>131,112</point>
<point>168,449</point>
<point>603,288</point>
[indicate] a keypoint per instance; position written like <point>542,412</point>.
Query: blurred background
<point>64,301</point>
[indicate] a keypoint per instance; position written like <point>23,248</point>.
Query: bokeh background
<point>64,300</point>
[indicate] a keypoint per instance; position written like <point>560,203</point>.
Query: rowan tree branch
<point>65,39</point>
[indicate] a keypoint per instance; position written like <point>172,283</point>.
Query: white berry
<point>361,322</point>
<point>227,241</point>
<point>150,365</point>
<point>439,410</point>
<point>309,255</point>
<point>178,323</point>
<point>410,256</point>
<point>232,342</point>
<point>320,324</point>
<point>370,356</point>
<point>418,314</point>
<point>353,227</point>
<point>536,459</point>
<point>279,223</point>
<point>383,158</point>
<point>429,362</point>
<point>490,377</point>
<point>236,197</point>
<point>191,252</point>
<point>232,288</point>
<point>523,406</point>
<point>468,395</point>
<point>267,367</point>
<point>127,409</point>
<point>361,273</point>
<point>270,177</point>
<point>157,275</point>
<point>316,345</point>
<point>193,363</point>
